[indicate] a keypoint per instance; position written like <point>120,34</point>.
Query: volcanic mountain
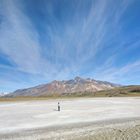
<point>65,87</point>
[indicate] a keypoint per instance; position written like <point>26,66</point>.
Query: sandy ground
<point>90,118</point>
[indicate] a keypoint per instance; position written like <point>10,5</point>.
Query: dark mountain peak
<point>88,79</point>
<point>77,78</point>
<point>55,81</point>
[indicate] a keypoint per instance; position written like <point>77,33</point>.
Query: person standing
<point>58,106</point>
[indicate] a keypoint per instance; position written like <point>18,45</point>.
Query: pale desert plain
<point>114,118</point>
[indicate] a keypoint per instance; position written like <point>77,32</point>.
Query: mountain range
<point>66,87</point>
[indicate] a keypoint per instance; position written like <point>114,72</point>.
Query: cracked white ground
<point>27,115</point>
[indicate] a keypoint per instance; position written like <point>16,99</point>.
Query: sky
<point>46,40</point>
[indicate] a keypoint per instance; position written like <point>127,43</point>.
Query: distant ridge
<point>66,87</point>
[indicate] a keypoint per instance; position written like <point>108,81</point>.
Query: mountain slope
<point>65,87</point>
<point>131,90</point>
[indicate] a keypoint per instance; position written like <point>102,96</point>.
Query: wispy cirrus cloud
<point>128,73</point>
<point>86,37</point>
<point>59,40</point>
<point>19,39</point>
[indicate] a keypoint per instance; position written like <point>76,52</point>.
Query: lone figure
<point>58,106</point>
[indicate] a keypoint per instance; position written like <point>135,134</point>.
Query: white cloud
<point>73,45</point>
<point>121,74</point>
<point>19,39</point>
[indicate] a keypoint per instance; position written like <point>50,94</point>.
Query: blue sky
<point>44,40</point>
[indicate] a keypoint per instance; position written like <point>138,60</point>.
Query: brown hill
<point>66,87</point>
